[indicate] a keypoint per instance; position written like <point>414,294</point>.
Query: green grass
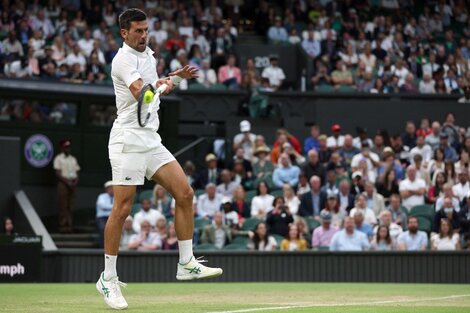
<point>209,297</point>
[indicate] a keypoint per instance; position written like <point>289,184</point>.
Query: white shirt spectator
<point>67,165</point>
<point>207,76</point>
<point>394,229</point>
<point>401,73</point>
<point>413,200</point>
<point>152,239</point>
<point>73,58</point>
<point>293,204</point>
<point>369,61</point>
<point>207,207</point>
<point>427,87</point>
<point>15,69</point>
<point>152,216</point>
<point>264,246</point>
<point>86,45</point>
<point>461,191</point>
<point>45,25</point>
<point>227,190</point>
<point>186,31</point>
<point>358,157</point>
<point>274,74</point>
<point>264,202</point>
<point>425,151</point>
<point>369,215</point>
<point>160,35</point>
<point>333,142</point>
<point>201,41</point>
<point>455,203</point>
<point>445,243</point>
<point>247,146</point>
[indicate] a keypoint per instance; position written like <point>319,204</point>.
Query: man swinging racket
<point>136,151</point>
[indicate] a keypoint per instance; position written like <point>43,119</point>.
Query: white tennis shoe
<point>111,291</point>
<point>195,270</point>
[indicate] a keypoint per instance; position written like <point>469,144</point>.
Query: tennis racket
<point>148,102</point>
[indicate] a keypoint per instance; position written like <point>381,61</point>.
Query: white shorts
<point>131,168</point>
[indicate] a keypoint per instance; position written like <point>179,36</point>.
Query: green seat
<point>249,196</point>
<point>424,210</point>
<point>424,224</point>
<point>312,223</point>
<point>218,87</point>
<point>145,194</point>
<point>343,88</point>
<point>200,223</point>
<point>197,86</point>
<point>241,240</point>
<point>324,88</point>
<point>136,198</point>
<point>235,246</point>
<point>323,248</point>
<point>198,192</point>
<point>277,193</point>
<point>205,247</point>
<point>250,223</point>
<point>135,208</point>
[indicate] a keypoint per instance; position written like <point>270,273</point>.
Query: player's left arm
<point>187,72</point>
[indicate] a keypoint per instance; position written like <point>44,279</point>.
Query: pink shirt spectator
<point>227,72</point>
<point>322,237</point>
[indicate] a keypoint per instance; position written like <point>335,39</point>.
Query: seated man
<point>286,173</point>
<point>349,239</point>
<point>146,213</point>
<point>361,206</point>
<point>227,185</point>
<point>322,235</point>
<point>447,211</point>
<point>145,239</point>
<point>399,215</point>
<point>217,233</point>
<point>447,192</point>
<point>385,219</point>
<point>375,201</point>
<point>127,233</point>
<point>412,239</point>
<point>312,202</point>
<point>209,202</point>
<point>412,189</point>
<point>363,226</point>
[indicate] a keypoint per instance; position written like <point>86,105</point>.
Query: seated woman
<point>446,239</point>
<point>293,241</point>
<point>261,240</point>
<point>382,241</point>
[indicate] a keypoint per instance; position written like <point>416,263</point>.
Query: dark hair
<point>451,229</point>
<point>437,188</point>
<point>388,240</point>
<point>289,227</point>
<point>411,217</point>
<point>129,16</point>
<point>257,239</point>
<point>440,150</point>
<point>277,198</point>
<point>258,189</point>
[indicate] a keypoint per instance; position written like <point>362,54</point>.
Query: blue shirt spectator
<point>277,33</point>
<point>312,141</point>
<point>105,202</point>
<point>366,229</point>
<point>349,239</point>
<point>286,173</point>
<point>311,46</point>
<point>412,239</point>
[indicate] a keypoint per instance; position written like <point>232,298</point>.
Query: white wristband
<point>176,80</point>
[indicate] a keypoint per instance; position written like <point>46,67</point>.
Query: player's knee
<point>122,211</point>
<point>185,196</point>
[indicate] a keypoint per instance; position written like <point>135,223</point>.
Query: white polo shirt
<point>128,66</point>
<point>274,74</point>
<point>67,165</point>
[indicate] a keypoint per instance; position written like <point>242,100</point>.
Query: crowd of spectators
<point>355,45</point>
<point>408,191</point>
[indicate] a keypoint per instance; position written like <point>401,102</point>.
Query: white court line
<point>341,304</point>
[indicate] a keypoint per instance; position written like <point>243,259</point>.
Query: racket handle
<point>161,89</point>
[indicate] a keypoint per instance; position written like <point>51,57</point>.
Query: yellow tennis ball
<point>148,96</point>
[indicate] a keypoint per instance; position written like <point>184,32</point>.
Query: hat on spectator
<point>325,215</point>
<point>109,183</point>
<point>180,52</point>
<point>211,157</point>
<point>443,135</point>
<point>245,126</point>
<point>226,200</point>
<point>65,143</point>
<point>336,128</point>
<point>365,143</point>
<point>356,174</point>
<point>273,57</point>
<point>331,194</point>
<point>388,150</point>
<point>322,137</point>
<point>262,149</point>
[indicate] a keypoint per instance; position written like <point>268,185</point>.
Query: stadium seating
<point>145,194</point>
<point>241,240</point>
<point>200,223</point>
<point>424,210</point>
<point>250,223</point>
<point>424,224</point>
<point>250,195</point>
<point>235,246</point>
<point>312,223</point>
<point>205,247</point>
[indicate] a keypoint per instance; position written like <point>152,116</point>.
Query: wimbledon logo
<point>38,150</point>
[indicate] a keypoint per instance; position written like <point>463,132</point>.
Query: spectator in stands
<point>362,226</point>
<point>447,192</point>
<point>412,239</point>
<point>274,73</point>
<point>227,185</point>
<point>412,189</point>
<point>387,184</point>
<point>263,168</point>
<point>239,203</point>
<point>409,85</point>
<point>210,174</point>
<point>321,236</point>
<point>375,201</point>
<point>171,241</point>
<point>207,76</point>
<point>262,203</point>
<point>341,76</point>
<point>361,206</point>
<point>95,71</point>
<point>291,199</point>
<point>385,219</point>
<point>366,84</point>
<point>161,201</point>
<point>295,157</point>
<point>348,239</point>
<point>245,139</point>
<point>279,218</point>
<point>277,33</point>
<point>217,233</point>
<point>145,239</point>
<point>367,57</point>
<point>449,212</point>
<point>348,150</point>
<point>382,240</point>
<point>104,205</point>
<point>262,240</point>
<point>446,238</point>
<point>12,46</point>
<point>436,190</point>
<point>293,240</point>
<point>8,227</point>
<point>371,159</point>
<point>126,234</point>
<point>311,203</point>
<point>286,173</point>
<point>462,188</point>
<point>75,56</point>
<point>209,202</point>
<point>320,77</point>
<point>146,213</point>
<point>230,215</point>
<point>464,215</point>
<point>345,198</point>
<point>426,86</point>
<point>466,95</point>
<point>399,215</point>
<point>312,141</point>
<point>190,171</point>
<point>311,46</point>
<point>66,169</point>
<point>336,140</point>
<point>230,74</point>
<point>313,166</point>
<point>437,164</point>
<point>422,149</point>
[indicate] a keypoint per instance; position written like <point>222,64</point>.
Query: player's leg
<point>173,179</point>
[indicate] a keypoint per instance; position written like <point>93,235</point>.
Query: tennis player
<point>137,152</point>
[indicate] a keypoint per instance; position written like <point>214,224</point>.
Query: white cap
<point>245,126</point>
<point>356,173</point>
<point>226,199</point>
<point>109,183</point>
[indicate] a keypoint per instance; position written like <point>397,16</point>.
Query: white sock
<point>186,250</point>
<point>110,266</point>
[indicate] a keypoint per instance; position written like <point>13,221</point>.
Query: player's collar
<point>148,51</point>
